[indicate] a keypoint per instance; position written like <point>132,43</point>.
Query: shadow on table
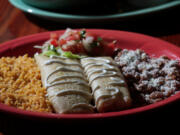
<point>163,119</point>
<point>156,24</point>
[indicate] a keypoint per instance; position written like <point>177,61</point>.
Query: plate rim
<point>36,37</point>
<point>49,14</point>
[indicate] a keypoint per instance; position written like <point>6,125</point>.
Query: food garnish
<point>76,44</point>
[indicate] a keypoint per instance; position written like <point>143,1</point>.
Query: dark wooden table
<point>165,25</point>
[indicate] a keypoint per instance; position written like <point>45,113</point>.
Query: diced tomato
<point>66,48</point>
<point>70,38</point>
<point>73,37</point>
<point>74,48</point>
<point>54,42</point>
<point>77,36</point>
<point>54,36</point>
<point>62,42</point>
<point>80,48</point>
<point>69,48</point>
<point>109,49</point>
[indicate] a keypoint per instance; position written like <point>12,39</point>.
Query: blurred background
<point>15,23</point>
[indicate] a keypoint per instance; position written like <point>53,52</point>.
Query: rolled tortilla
<point>109,88</point>
<point>67,89</point>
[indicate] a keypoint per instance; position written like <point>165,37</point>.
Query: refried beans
<point>153,78</point>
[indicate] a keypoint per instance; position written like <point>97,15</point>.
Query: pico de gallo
<point>78,43</point>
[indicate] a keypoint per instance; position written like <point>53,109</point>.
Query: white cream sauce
<point>72,91</point>
<point>58,57</point>
<point>79,76</point>
<point>90,64</point>
<point>51,61</point>
<point>65,69</point>
<point>106,69</point>
<point>60,80</point>
<point>97,59</point>
<point>117,82</point>
<point>113,92</point>
<point>79,82</point>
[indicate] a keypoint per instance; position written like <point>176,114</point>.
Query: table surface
<point>14,23</point>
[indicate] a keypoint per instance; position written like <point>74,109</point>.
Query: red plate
<point>152,46</point>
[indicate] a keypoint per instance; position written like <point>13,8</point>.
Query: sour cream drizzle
<point>66,77</point>
<point>72,91</point>
<point>61,62</point>
<point>113,92</point>
<point>103,73</point>
<point>98,58</point>
<point>65,69</point>
<point>107,69</point>
<point>80,82</point>
<point>60,80</point>
<point>59,57</point>
<point>89,65</point>
<point>118,82</point>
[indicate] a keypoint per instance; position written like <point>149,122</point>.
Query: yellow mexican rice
<point>20,84</point>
